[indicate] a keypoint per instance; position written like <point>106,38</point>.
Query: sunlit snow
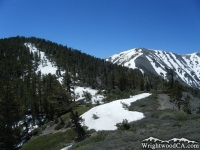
<point>79,91</point>
<point>112,113</point>
<point>67,147</point>
<point>186,67</point>
<point>45,65</point>
<point>127,57</point>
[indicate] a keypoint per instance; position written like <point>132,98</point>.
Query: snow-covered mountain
<point>186,67</point>
<point>45,66</point>
<point>103,121</point>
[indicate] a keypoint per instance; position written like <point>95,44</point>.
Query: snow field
<point>112,113</point>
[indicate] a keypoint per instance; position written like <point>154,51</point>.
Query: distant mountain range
<point>186,67</point>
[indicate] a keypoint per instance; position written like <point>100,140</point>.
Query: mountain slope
<point>186,67</point>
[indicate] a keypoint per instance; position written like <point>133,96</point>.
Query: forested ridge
<point>25,91</point>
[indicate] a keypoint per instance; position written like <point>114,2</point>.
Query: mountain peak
<point>186,67</point>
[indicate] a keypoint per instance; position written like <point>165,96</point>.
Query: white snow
<point>193,63</point>
<point>95,97</point>
<point>67,147</point>
<point>131,63</point>
<point>127,58</point>
<point>45,65</point>
<point>112,113</point>
<point>187,67</point>
<point>159,70</point>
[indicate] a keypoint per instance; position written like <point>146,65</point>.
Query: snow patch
<point>45,65</point>
<point>112,113</point>
<point>79,91</point>
<point>67,147</point>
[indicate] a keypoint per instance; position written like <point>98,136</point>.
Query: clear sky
<point>105,27</point>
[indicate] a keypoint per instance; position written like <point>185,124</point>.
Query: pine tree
<point>67,82</point>
<point>121,80</point>
<point>176,91</point>
<point>77,120</point>
<point>170,77</point>
<point>10,114</point>
<point>186,106</point>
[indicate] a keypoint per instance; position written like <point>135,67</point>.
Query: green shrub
<point>44,127</point>
<point>54,141</point>
<point>162,133</point>
<point>56,121</point>
<point>99,92</point>
<point>181,116</point>
<point>164,114</point>
<point>50,123</point>
<point>36,131</point>
<point>99,137</point>
<point>124,125</point>
<point>116,94</point>
<point>89,105</point>
<point>59,126</point>
<point>155,94</point>
<point>87,96</point>
<point>91,131</point>
<point>176,115</point>
<point>46,121</point>
<point>97,102</point>
<point>108,99</point>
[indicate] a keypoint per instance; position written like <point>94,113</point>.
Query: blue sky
<point>105,27</point>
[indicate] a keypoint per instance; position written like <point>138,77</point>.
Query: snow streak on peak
<point>126,58</point>
<point>186,67</point>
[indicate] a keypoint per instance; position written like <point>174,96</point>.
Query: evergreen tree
<point>170,77</point>
<point>77,120</point>
<point>10,114</point>
<point>186,106</point>
<point>67,82</point>
<point>121,80</point>
<point>176,91</point>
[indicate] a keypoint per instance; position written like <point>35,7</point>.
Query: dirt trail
<point>164,101</point>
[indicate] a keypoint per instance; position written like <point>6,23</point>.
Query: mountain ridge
<point>186,67</point>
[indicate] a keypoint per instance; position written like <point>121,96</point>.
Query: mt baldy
<point>186,67</point>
